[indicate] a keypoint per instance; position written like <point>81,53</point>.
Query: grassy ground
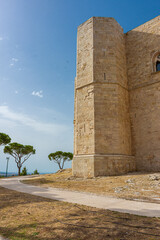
<point>141,186</point>
<point>27,217</point>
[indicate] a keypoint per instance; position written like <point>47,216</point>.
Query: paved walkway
<point>114,204</point>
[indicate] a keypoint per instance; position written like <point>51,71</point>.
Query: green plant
<point>24,171</point>
<point>60,158</point>
<point>4,139</point>
<point>36,172</point>
<point>20,153</point>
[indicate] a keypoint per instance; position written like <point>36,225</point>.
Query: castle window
<point>157,66</point>
<point>156,62</point>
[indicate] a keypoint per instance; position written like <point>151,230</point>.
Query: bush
<point>24,172</point>
<point>36,172</point>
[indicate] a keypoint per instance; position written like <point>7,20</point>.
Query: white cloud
<point>45,137</point>
<point>20,118</point>
<point>5,79</point>
<point>15,59</point>
<point>4,38</point>
<point>38,93</point>
<point>4,103</point>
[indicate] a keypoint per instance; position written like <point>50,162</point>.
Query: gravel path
<point>92,200</point>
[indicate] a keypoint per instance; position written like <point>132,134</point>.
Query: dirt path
<point>2,238</point>
<point>114,204</point>
<point>137,186</point>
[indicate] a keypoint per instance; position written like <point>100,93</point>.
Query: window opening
<point>157,66</point>
<point>156,63</point>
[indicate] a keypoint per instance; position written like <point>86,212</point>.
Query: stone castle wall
<point>144,88</point>
<point>116,121</point>
<point>102,123</point>
<point>84,100</point>
<point>111,103</point>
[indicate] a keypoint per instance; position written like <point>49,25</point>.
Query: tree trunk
<point>59,166</point>
<point>19,171</point>
<point>62,164</point>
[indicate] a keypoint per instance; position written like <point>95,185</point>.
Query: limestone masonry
<point>117,98</point>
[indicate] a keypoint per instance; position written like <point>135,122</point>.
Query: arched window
<point>156,62</point>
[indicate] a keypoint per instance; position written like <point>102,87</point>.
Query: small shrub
<point>24,172</point>
<point>36,172</point>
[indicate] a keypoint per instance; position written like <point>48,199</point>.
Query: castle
<point>117,98</point>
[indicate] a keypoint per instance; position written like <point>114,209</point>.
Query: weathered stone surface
<point>142,43</point>
<point>89,166</point>
<point>117,99</point>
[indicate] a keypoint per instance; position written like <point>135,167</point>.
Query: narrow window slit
<point>156,62</point>
<point>157,66</point>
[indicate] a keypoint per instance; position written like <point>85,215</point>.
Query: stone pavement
<point>88,199</point>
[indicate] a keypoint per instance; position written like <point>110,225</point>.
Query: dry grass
<point>131,186</point>
<point>27,217</point>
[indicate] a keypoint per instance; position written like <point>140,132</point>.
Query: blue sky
<point>38,67</point>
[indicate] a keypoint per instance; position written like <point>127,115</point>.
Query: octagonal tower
<point>102,130</point>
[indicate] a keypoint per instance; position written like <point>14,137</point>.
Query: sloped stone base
<point>89,166</point>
